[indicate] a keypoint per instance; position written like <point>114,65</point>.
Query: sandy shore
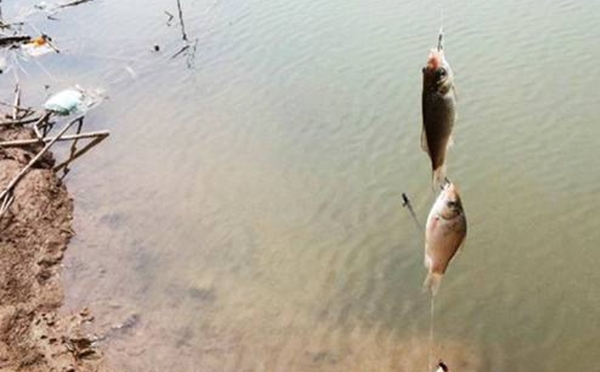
<point>34,235</point>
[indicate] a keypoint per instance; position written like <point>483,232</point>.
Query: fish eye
<point>452,204</point>
<point>442,72</point>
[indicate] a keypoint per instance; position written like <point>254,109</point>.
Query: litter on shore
<point>42,123</point>
<point>73,100</point>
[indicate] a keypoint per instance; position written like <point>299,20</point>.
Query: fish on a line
<point>445,233</point>
<point>438,110</point>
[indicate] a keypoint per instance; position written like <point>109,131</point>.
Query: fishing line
<point>430,363</point>
<point>407,204</point>
<point>441,14</point>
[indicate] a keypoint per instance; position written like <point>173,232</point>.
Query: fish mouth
<point>451,206</point>
<point>435,60</point>
<point>450,191</point>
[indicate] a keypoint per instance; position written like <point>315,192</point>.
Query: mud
<point>34,234</point>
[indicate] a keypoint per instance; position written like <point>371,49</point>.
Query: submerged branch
<point>183,34</point>
<point>77,154</point>
<point>170,19</point>
<point>73,3</point>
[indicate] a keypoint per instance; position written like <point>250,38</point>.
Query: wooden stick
<point>69,137</point>
<point>37,121</point>
<point>4,203</point>
<point>79,153</point>
<point>10,25</point>
<point>38,134</point>
<point>20,175</point>
<point>73,149</point>
<point>8,199</point>
<point>21,122</point>
<point>24,109</point>
<point>17,102</point>
<point>8,40</point>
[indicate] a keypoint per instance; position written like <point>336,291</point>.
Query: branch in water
<point>74,3</point>
<point>183,34</point>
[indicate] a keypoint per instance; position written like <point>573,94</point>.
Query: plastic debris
<point>39,46</point>
<point>65,102</point>
<point>74,100</point>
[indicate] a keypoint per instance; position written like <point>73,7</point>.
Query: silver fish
<point>445,232</point>
<point>439,110</point>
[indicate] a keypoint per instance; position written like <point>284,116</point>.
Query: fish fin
<point>424,146</point>
<point>439,176</point>
<point>432,282</point>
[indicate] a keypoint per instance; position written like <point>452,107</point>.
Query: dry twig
<point>68,137</point>
<point>24,171</point>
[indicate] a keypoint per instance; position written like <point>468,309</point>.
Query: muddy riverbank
<point>34,234</point>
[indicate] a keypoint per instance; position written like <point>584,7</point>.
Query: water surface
<point>246,208</point>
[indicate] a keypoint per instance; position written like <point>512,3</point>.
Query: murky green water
<point>246,206</point>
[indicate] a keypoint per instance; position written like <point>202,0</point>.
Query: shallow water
<point>246,208</point>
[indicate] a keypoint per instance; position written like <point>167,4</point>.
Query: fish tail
<point>432,282</point>
<point>439,176</point>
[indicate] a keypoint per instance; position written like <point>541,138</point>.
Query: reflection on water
<point>246,212</point>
